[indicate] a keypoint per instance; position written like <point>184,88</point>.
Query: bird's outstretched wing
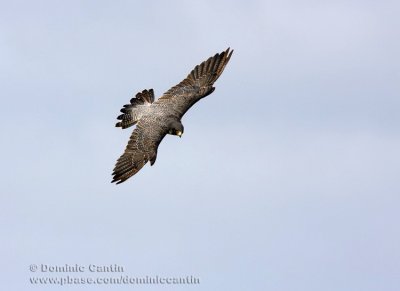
<point>198,84</point>
<point>142,147</point>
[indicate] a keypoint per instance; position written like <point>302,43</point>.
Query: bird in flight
<point>154,120</point>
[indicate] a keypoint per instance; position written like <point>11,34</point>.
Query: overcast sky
<point>286,178</point>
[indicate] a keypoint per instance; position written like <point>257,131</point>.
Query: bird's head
<point>176,128</point>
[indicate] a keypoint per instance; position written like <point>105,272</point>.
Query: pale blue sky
<point>286,177</point>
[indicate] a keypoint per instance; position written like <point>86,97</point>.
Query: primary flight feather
<point>154,120</point>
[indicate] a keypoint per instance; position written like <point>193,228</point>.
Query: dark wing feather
<point>141,148</point>
<point>198,84</point>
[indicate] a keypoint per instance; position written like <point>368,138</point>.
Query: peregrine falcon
<point>155,119</point>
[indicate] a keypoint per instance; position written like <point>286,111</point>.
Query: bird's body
<point>154,120</point>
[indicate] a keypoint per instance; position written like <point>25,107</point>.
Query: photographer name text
<point>77,268</point>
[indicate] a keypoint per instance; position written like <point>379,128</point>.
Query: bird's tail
<point>133,111</point>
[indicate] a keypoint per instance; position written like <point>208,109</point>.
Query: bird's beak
<point>179,133</point>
